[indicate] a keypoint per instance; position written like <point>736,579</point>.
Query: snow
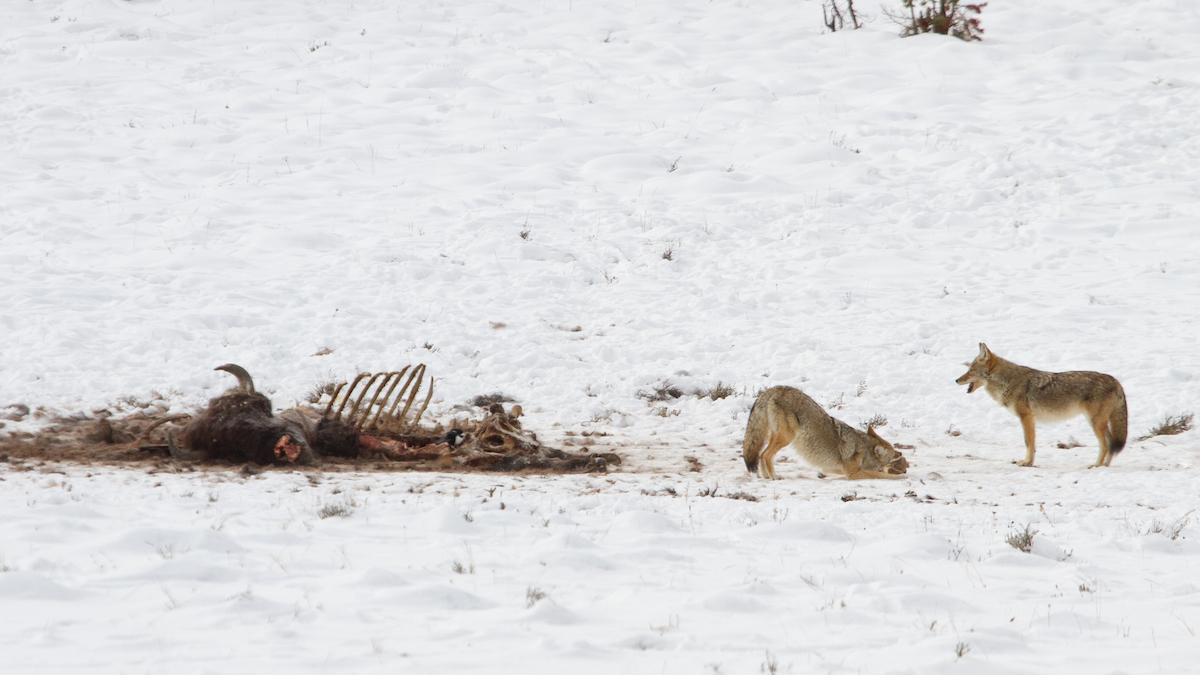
<point>120,571</point>
<point>574,203</point>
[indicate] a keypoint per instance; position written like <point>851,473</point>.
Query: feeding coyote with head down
<point>785,416</point>
<point>1038,396</point>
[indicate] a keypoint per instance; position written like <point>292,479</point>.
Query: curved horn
<point>181,454</point>
<point>245,383</point>
<point>173,418</point>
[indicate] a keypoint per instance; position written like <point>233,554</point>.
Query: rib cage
<point>375,403</point>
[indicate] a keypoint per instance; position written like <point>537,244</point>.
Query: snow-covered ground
<point>121,572</point>
<point>574,203</point>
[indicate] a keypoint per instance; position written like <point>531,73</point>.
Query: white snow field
<point>575,203</point>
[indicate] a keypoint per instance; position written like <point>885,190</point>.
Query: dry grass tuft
<point>1021,540</point>
<point>661,392</point>
<point>716,393</point>
<point>878,421</point>
<point>318,390</point>
<point>335,511</point>
<point>533,595</point>
<point>1172,425</point>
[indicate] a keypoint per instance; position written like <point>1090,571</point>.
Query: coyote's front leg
<point>1027,424</point>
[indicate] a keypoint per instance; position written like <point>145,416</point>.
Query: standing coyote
<point>787,416</point>
<point>1038,396</point>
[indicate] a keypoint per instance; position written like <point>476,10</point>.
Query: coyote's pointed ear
<point>871,432</point>
<point>984,352</point>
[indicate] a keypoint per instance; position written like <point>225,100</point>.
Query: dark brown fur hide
<point>239,426</point>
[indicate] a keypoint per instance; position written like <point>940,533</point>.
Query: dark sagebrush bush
<point>944,17</point>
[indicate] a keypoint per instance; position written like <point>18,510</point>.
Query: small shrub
<point>533,595</point>
<point>835,16</point>
<point>335,510</point>
<point>878,420</point>
<point>1022,540</point>
<point>744,496</point>
<point>1170,530</point>
<point>770,665</point>
<point>944,17</point>
<point>167,550</point>
<point>720,391</point>
<point>319,390</point>
<point>1174,529</point>
<point>661,392</point>
<point>1172,425</point>
<point>960,650</point>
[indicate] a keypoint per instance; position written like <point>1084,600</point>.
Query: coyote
<point>787,416</point>
<point>1038,396</point>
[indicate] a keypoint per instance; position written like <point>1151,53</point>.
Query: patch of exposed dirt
<point>140,440</point>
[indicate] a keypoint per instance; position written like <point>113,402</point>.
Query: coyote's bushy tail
<point>756,436</point>
<point>1118,425</point>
